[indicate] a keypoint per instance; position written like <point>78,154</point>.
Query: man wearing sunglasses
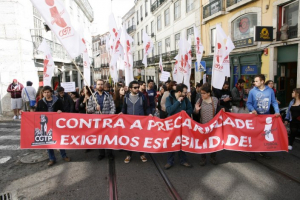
<point>135,103</point>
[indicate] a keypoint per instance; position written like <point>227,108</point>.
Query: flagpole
<point>85,82</point>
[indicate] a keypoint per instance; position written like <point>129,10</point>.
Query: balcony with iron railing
<point>292,32</point>
<point>157,4</point>
<point>105,65</point>
<point>86,8</point>
<point>57,50</point>
<point>213,9</point>
<point>233,4</point>
<point>131,29</point>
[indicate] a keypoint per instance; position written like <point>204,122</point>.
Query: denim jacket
<point>288,116</point>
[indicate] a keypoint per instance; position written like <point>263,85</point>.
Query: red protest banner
<point>240,132</point>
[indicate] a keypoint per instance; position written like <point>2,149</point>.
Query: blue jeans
<point>52,155</point>
<point>181,155</point>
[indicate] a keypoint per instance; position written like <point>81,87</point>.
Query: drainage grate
<point>5,196</point>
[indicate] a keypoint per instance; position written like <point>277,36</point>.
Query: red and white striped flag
<point>148,45</point>
<point>58,20</point>
<point>48,63</point>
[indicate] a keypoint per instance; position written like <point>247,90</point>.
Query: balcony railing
<point>86,8</point>
<point>57,50</point>
<point>232,2</point>
<point>212,8</point>
<point>157,4</point>
<point>131,29</point>
<point>292,33</point>
<point>105,65</point>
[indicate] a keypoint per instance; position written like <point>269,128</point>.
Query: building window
<point>141,11</point>
<point>152,27</point>
<point>146,29</point>
<point>132,21</point>
<point>159,22</point>
<point>142,35</point>
<point>167,44</point>
<point>213,39</point>
<point>177,10</point>
<point>167,17</point>
<point>138,55</point>
<point>138,38</point>
<point>177,38</point>
<point>137,17</point>
<point>146,9</point>
<point>37,20</point>
<point>189,5</point>
<point>243,26</point>
<point>290,14</point>
<point>153,51</point>
<point>189,32</point>
<point>159,48</point>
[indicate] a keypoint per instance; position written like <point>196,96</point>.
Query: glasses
<point>135,87</point>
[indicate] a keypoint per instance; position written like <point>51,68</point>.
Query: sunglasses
<point>135,87</point>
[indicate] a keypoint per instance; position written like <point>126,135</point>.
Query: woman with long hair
<point>293,116</point>
<point>83,100</point>
<point>39,95</point>
<point>119,98</point>
<point>206,108</point>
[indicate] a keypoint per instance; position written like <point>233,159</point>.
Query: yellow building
<point>277,59</point>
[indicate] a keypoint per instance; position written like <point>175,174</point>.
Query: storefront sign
<point>243,42</point>
<point>249,70</point>
<point>263,33</point>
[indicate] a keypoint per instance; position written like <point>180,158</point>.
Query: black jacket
<point>68,103</point>
<point>42,105</point>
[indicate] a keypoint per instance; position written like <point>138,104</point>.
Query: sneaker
<point>19,116</point>
<point>214,161</point>
<point>51,162</point>
<point>67,159</point>
<point>15,117</point>
<point>168,166</point>
<point>186,164</point>
<point>127,159</point>
<point>265,155</point>
<point>110,157</point>
<point>203,162</point>
<point>290,147</point>
<point>252,156</point>
<point>100,157</point>
<point>143,158</point>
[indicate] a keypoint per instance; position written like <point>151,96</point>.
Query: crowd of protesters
<point>202,103</point>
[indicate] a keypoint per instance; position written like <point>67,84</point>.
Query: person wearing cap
<point>66,99</point>
<point>15,90</point>
<point>28,93</point>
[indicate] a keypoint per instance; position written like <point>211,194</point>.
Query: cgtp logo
<point>42,136</point>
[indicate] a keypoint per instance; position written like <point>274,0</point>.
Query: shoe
<point>19,116</point>
<point>127,159</point>
<point>203,162</point>
<point>252,156</point>
<point>214,161</point>
<point>186,164</point>
<point>110,157</point>
<point>143,158</point>
<point>100,157</point>
<point>265,155</point>
<point>15,117</point>
<point>168,166</point>
<point>51,162</point>
<point>290,147</point>
<point>67,159</point>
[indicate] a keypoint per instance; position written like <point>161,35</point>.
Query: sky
<point>102,10</point>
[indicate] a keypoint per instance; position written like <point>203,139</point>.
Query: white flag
<point>187,76</point>
<point>48,63</point>
<point>58,20</point>
<point>126,42</point>
<point>86,66</point>
<point>148,45</point>
<point>161,64</point>
<point>226,63</point>
<point>218,72</point>
<point>199,46</point>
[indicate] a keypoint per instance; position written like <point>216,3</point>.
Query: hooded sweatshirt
<point>15,90</point>
<point>174,106</point>
<point>261,100</point>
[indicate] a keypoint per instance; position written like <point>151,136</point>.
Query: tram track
<point>175,195</point>
<point>112,180</point>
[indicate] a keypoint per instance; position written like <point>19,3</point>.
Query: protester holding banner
<point>81,105</point>
<point>66,99</point>
<point>50,103</point>
<point>176,102</point>
<point>162,90</point>
<point>206,108</point>
<point>15,90</point>
<point>260,99</point>
<point>293,116</point>
<point>105,105</point>
<point>239,98</point>
<point>135,103</point>
<point>171,86</point>
<point>74,96</point>
<point>28,95</point>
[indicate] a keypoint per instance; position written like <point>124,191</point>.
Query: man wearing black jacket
<point>226,97</point>
<point>68,103</point>
<point>50,103</point>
